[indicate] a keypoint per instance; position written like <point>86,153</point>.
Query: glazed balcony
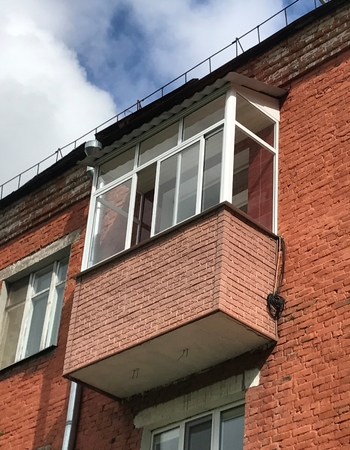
<point>182,301</point>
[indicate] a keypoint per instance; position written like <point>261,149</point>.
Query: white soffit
<point>234,78</point>
<point>255,85</point>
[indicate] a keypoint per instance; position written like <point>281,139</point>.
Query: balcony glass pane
<point>212,170</point>
<point>143,204</point>
<point>240,178</point>
<point>188,160</point>
<point>253,179</point>
<point>168,440</point>
<point>232,429</point>
<point>37,323</point>
<point>204,117</point>
<point>198,434</point>
<point>255,120</point>
<point>166,194</point>
<point>159,143</point>
<point>116,167</point>
<point>111,221</point>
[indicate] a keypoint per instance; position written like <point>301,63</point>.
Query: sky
<point>69,65</point>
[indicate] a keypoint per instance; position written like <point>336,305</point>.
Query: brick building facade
<point>201,202</point>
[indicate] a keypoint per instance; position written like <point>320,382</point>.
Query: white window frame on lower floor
<point>215,417</point>
<point>220,396</point>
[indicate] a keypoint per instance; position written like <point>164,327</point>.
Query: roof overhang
<point>194,96</point>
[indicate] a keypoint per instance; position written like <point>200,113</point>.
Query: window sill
<point>7,371</point>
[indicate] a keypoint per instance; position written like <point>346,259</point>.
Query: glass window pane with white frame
<point>221,429</point>
<point>204,117</point>
<point>212,170</point>
<point>32,313</point>
<point>253,171</point>
<point>117,167</point>
<point>143,204</point>
<point>159,143</point>
<point>255,120</point>
<point>177,194</point>
<point>178,172</point>
<point>111,221</point>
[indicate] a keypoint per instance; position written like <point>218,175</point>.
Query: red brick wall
<point>217,262</point>
<point>247,275</point>
<point>37,207</point>
<point>33,394</point>
<point>315,44</point>
<point>303,400</point>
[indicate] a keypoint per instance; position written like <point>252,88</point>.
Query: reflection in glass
<point>37,323</point>
<point>168,440</point>
<point>204,117</point>
<point>43,280</point>
<point>255,120</point>
<point>11,331</point>
<point>166,194</point>
<point>198,434</point>
<point>13,319</point>
<point>18,291</point>
<point>188,160</point>
<point>116,167</point>
<point>240,179</point>
<point>143,204</point>
<point>57,317</point>
<point>111,219</point>
<point>212,170</point>
<point>253,179</point>
<point>58,299</point>
<point>159,143</point>
<point>232,429</point>
<point>62,271</point>
<point>177,193</point>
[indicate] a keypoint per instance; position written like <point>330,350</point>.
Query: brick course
<point>33,394</point>
<point>308,374</point>
<point>217,262</point>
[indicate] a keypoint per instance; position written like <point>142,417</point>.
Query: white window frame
<point>270,107</point>
<point>52,313</point>
<point>215,427</point>
<point>267,105</point>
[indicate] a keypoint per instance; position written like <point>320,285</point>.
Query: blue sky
<point>68,66</point>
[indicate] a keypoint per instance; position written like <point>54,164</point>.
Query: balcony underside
<point>187,300</point>
<point>172,356</point>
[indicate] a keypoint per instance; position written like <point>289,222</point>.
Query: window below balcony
<point>220,429</point>
<point>222,151</point>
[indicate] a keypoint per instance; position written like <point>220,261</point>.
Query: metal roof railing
<point>252,37</point>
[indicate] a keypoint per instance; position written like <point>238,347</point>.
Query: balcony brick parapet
<point>219,261</point>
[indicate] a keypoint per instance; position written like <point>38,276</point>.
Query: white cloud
<point>161,39</point>
<point>45,98</point>
<point>187,32</point>
<point>127,47</point>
